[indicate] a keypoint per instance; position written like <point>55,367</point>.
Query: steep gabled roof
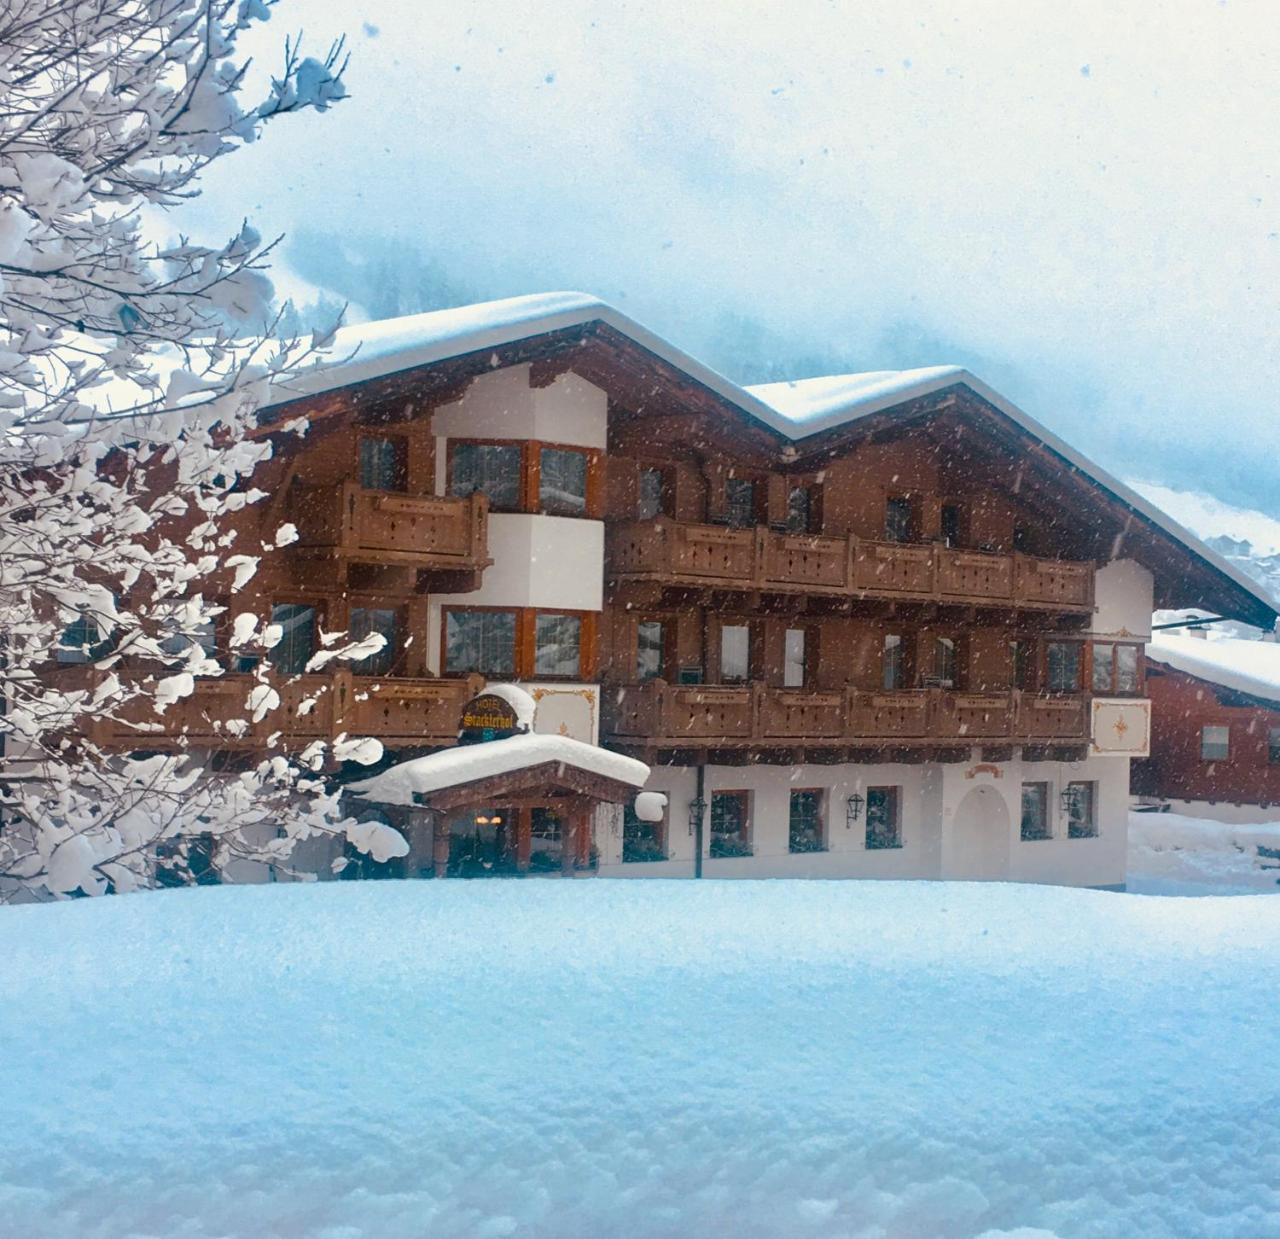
<point>1249,667</point>
<point>794,411</point>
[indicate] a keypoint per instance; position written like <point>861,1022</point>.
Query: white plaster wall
<point>502,405</point>
<point>553,562</point>
<point>1123,600</point>
<point>930,794</point>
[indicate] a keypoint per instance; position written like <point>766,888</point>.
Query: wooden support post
<point>524,836</point>
<point>440,844</point>
<point>568,843</point>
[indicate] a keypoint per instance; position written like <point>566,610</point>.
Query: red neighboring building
<point>1215,724</point>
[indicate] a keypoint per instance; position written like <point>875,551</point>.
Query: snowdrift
<point>585,1058</point>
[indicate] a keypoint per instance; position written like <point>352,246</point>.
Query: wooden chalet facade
<point>900,635</point>
<point>1215,745</point>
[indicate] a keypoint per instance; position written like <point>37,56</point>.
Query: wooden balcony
<point>665,552</point>
<point>401,712</point>
<point>661,715</point>
<point>381,527</point>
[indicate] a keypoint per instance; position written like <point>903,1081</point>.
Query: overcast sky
<point>1077,201</point>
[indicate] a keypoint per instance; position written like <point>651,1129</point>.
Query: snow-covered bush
<point>130,375</point>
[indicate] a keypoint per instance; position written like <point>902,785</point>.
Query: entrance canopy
<point>520,765</point>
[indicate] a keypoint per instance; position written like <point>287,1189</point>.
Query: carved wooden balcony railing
<point>727,716</point>
<point>381,527</point>
<point>399,711</point>
<point>675,553</point>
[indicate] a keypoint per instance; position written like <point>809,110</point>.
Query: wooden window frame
<point>755,640</point>
<point>745,831</point>
<point>666,502</point>
<point>823,841</point>
<point>1083,671</point>
<point>659,831</point>
<point>668,664</point>
<point>526,643</point>
<point>529,500</point>
<point>1047,816</point>
<point>399,653</point>
<point>1091,822</point>
<point>895,799</point>
<point>1113,690</point>
<point>401,441</point>
<point>1220,726</point>
<point>914,529</point>
<point>813,490</point>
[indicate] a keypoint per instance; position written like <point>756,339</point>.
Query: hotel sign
<point>487,717</point>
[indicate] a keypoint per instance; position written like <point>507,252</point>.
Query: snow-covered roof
<point>1251,667</point>
<point>471,762</point>
<point>794,410</point>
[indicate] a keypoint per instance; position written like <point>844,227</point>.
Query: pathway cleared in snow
<point>587,1058</point>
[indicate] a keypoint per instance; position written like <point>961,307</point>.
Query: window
<point>557,646</point>
<point>1020,656</point>
<point>650,650</point>
<point>952,524</point>
<point>1273,746</point>
<point>806,833</point>
<point>653,493</point>
<point>884,821</point>
<point>794,666</point>
<point>899,520</point>
<point>1127,674</point>
<point>735,653</point>
<point>522,643</point>
<point>203,637</point>
<point>384,463</point>
<point>1215,743</point>
<point>562,481</point>
<point>740,502</point>
<point>1082,813</point>
<point>1035,811</point>
<point>186,861</point>
<point>1116,670</point>
<point>642,841</point>
<point>297,643</point>
<point>1104,667</point>
<point>81,642</point>
<point>1063,664</point>
<point>546,838</point>
<point>493,468</point>
<point>365,621</point>
<point>894,663</point>
<point>729,824</point>
<point>945,664</point>
<point>800,510</point>
<point>483,641</point>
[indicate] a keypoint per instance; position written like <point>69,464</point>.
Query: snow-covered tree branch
<point>130,377</point>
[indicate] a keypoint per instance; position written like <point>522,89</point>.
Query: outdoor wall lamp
<point>853,810</point>
<point>697,807</point>
<point>1070,800</point>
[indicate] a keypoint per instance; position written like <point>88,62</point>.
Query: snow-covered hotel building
<point>878,625</point>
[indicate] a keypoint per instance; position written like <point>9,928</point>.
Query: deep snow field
<point>640,1058</point>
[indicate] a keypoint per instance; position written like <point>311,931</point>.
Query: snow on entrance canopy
<point>1251,667</point>
<point>793,410</point>
<point>470,763</point>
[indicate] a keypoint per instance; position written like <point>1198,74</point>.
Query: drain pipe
<point>700,801</point>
